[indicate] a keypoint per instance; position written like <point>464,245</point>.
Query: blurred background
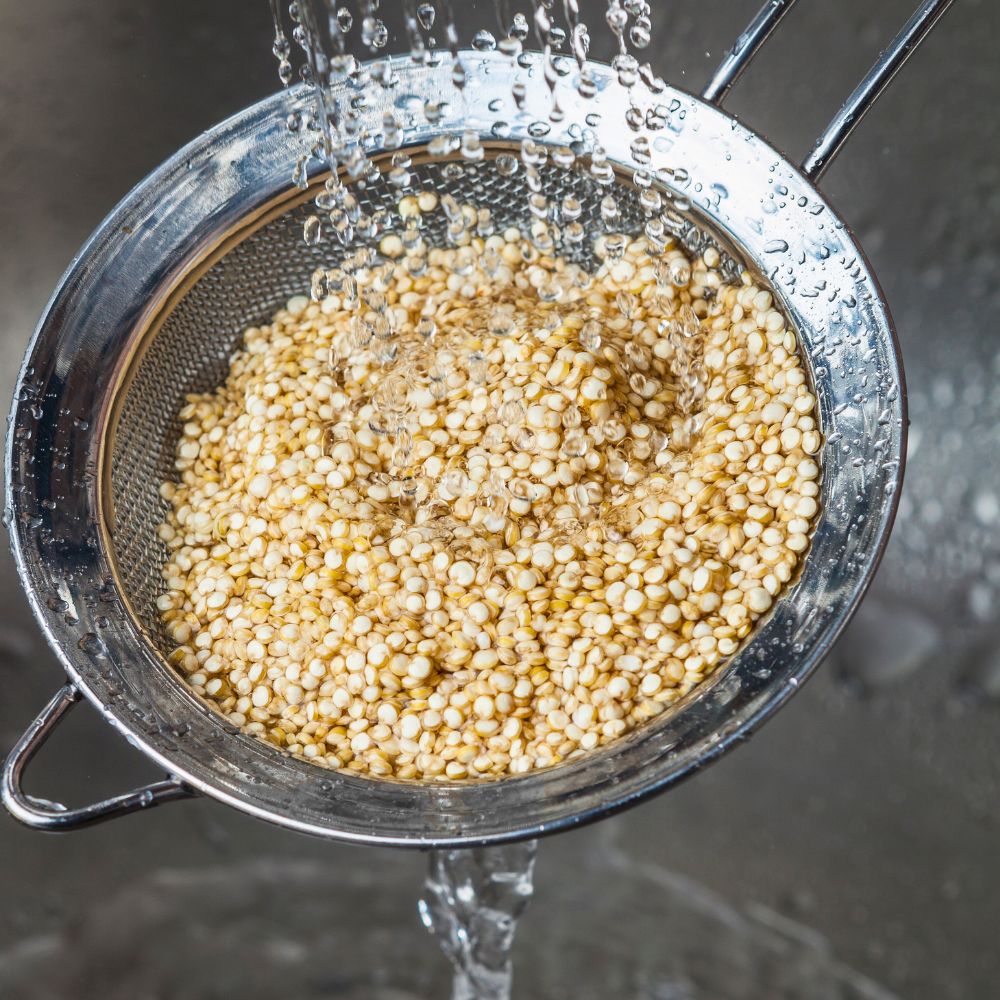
<point>848,851</point>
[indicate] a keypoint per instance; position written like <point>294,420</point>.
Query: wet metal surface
<point>859,825</point>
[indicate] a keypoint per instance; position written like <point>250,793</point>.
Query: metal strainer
<point>210,243</point>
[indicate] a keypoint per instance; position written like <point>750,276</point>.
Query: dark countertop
<point>860,825</point>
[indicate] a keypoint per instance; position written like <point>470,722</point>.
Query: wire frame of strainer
<point>211,242</point>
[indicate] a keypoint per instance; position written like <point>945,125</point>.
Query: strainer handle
<point>744,49</point>
<point>844,122</point>
<point>40,814</point>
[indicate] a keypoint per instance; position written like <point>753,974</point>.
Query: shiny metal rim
<point>737,186</point>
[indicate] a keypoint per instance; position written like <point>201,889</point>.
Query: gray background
<point>862,822</point>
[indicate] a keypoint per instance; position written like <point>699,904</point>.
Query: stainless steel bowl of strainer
<point>210,243</point>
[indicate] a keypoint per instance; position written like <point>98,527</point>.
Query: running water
<point>471,903</point>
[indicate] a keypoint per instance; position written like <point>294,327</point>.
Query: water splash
<point>471,903</point>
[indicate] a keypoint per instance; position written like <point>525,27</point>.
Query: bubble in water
<point>345,20</point>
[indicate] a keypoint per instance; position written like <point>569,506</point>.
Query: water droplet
<point>425,15</point>
<point>483,41</point>
<point>639,34</point>
<point>92,645</point>
<point>506,165</point>
<point>374,33</point>
<point>590,336</point>
<point>519,27</point>
<point>312,230</point>
<point>679,272</point>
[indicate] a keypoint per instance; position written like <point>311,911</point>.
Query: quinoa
<point>487,512</point>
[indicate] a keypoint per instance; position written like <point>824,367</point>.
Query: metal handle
<point>52,816</point>
<point>862,98</point>
<point>744,49</point>
<point>888,64</point>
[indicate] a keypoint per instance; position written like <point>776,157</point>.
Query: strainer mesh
<point>190,351</point>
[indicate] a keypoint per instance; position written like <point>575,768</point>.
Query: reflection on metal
<point>53,817</point>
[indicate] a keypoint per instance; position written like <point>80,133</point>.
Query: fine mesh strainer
<point>155,303</point>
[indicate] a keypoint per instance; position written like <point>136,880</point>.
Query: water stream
<point>471,903</point>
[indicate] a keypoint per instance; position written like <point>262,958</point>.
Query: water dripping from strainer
<point>471,903</point>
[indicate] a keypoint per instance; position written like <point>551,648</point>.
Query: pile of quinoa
<point>478,511</point>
